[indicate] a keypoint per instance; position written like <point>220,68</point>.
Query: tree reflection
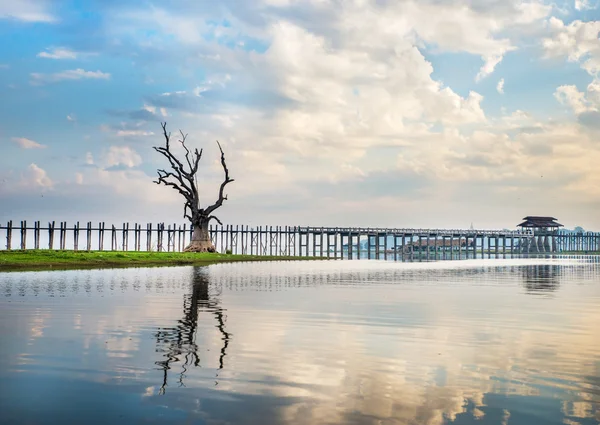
<point>178,344</point>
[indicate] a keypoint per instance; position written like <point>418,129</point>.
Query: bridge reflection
<point>274,277</point>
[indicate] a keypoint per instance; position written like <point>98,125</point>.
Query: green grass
<point>19,260</point>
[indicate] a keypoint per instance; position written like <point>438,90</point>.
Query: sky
<point>380,113</point>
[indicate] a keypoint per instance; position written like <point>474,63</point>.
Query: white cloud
<point>500,86</point>
<point>134,133</point>
<point>71,117</point>
<point>36,177</point>
<point>58,53</point>
<point>79,178</point>
<point>570,96</point>
<point>488,67</point>
<point>150,109</point>
<point>577,42</point>
<point>121,155</point>
<point>89,158</point>
<point>27,143</point>
<point>26,11</point>
<point>583,5</point>
<point>73,74</point>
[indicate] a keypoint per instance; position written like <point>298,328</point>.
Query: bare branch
<point>167,136</point>
<point>187,151</point>
<point>212,217</point>
<point>227,180</point>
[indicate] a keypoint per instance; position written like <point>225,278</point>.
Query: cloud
<point>135,133</point>
<point>570,96</point>
<point>27,143</point>
<point>500,86</point>
<point>580,102</point>
<point>58,53</point>
<point>121,155</point>
<point>488,67</point>
<point>36,177</point>
<point>74,74</point>
<point>146,113</point>
<point>71,117</point>
<point>29,11</point>
<point>577,42</point>
<point>583,5</point>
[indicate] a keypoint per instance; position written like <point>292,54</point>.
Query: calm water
<point>470,342</point>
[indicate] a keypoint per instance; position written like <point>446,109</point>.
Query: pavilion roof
<point>537,221</point>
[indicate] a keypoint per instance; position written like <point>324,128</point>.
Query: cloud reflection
<point>320,342</point>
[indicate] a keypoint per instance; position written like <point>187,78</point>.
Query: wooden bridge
<point>332,242</point>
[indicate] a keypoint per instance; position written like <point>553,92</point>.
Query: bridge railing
<point>277,240</point>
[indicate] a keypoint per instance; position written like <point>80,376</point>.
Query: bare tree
<point>182,178</point>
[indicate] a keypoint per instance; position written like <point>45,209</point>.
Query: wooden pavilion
<point>544,232</point>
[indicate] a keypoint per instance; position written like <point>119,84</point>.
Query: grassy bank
<point>53,260</point>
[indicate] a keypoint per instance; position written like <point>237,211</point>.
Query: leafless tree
<point>182,177</point>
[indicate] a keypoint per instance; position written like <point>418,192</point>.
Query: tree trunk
<point>200,239</point>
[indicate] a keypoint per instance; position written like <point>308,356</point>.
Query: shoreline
<point>46,260</point>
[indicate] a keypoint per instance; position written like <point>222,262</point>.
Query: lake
<point>513,341</point>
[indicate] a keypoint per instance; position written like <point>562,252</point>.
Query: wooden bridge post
<point>64,241</point>
<point>51,234</point>
<point>402,246</point>
<point>23,234</point>
<point>9,228</point>
<point>76,236</point>
<point>169,233</point>
<point>350,249</point>
<point>36,234</point>
<point>62,235</point>
<point>88,236</point>
<point>148,237</point>
<point>293,240</point>
<point>385,245</point>
<point>113,237</point>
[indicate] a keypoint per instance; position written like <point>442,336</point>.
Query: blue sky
<point>368,113</point>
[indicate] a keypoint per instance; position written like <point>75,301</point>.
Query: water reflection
<point>537,274</point>
<point>542,278</point>
<point>178,344</point>
<point>303,343</point>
